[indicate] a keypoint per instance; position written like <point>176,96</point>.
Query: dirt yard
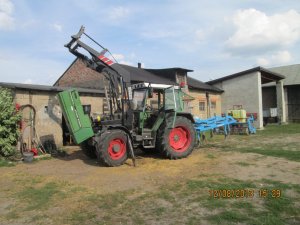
<point>76,190</point>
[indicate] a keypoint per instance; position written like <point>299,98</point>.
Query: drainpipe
<point>208,104</point>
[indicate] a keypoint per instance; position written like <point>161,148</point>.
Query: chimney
<point>139,65</point>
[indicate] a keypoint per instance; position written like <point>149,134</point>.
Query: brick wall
<point>79,75</point>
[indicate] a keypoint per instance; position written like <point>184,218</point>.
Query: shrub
<point>9,119</point>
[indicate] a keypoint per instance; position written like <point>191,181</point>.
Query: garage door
<point>294,103</point>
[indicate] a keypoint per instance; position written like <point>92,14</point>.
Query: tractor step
<point>149,146</point>
<point>148,138</point>
<point>147,134</point>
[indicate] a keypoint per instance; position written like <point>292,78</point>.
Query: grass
<point>278,147</point>
<point>227,217</point>
<point>6,163</point>
<point>186,195</point>
<point>38,198</point>
<point>188,201</point>
<point>244,164</point>
<point>274,210</point>
<point>271,130</point>
<point>191,198</point>
<point>81,216</point>
<point>219,184</point>
<point>271,150</point>
<point>210,156</point>
<point>46,157</point>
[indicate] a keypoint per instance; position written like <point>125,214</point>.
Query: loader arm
<point>118,78</point>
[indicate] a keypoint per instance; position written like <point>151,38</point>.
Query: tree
<point>9,118</point>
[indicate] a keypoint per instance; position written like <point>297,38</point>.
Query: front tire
<point>177,142</point>
<point>111,148</point>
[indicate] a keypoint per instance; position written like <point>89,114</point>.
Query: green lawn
<point>272,141</point>
<point>182,203</point>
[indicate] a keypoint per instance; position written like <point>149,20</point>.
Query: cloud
<point>263,61</point>
<point>200,35</point>
<point>57,27</point>
<point>6,6</point>
<point>118,13</point>
<point>28,81</point>
<point>256,31</point>
<point>278,58</point>
<point>6,19</point>
<point>207,34</point>
<point>120,58</point>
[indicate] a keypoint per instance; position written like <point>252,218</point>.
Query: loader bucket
<point>79,124</point>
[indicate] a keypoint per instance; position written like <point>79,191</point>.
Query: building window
<point>213,105</point>
<point>202,106</point>
<point>86,109</point>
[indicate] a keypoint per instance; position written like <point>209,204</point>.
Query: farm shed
<point>49,123</point>
<point>245,88</point>
<point>291,86</point>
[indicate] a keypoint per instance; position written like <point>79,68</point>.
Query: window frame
<point>202,103</point>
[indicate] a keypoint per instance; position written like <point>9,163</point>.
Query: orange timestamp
<point>244,193</point>
<point>274,193</point>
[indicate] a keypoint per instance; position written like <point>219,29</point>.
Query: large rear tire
<point>177,142</point>
<point>112,148</point>
<point>88,149</point>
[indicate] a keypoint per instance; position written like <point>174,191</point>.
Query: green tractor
<point>161,121</point>
<point>147,116</point>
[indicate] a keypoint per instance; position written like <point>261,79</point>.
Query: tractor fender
<point>117,127</point>
<point>121,128</point>
<point>186,115</point>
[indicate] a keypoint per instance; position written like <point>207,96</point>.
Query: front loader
<point>147,116</point>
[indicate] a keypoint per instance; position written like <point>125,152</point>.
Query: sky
<point>214,38</point>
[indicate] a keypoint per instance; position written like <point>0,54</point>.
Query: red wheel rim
<point>180,139</point>
<point>116,148</point>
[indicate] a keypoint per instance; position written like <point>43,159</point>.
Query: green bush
<point>9,119</point>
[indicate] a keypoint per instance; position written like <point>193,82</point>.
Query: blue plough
<point>226,122</point>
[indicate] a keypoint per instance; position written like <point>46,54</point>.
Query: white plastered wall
<point>246,91</point>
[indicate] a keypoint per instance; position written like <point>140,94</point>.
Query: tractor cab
<point>148,100</point>
<point>151,104</point>
<point>153,97</point>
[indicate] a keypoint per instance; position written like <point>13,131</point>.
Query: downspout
<point>208,104</point>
